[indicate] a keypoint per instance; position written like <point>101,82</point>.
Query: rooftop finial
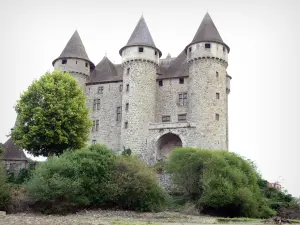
<point>105,53</point>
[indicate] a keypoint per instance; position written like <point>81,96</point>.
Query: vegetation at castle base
<point>5,195</point>
<point>134,186</point>
<point>219,182</point>
<point>91,177</point>
<point>1,148</point>
<point>22,176</point>
<point>52,116</point>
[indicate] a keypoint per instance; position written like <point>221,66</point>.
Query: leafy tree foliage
<point>134,186</point>
<point>52,116</point>
<point>1,148</point>
<point>219,182</point>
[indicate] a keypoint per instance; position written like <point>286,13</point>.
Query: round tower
<point>75,60</point>
<point>207,60</point>
<point>140,59</point>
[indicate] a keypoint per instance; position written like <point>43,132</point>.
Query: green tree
<point>52,116</point>
<point>219,182</point>
<point>1,148</point>
<point>5,194</point>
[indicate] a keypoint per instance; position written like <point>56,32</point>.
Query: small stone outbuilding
<point>14,157</point>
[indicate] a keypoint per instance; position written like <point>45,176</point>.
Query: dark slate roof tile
<point>12,151</point>
<point>141,37</point>
<point>207,31</point>
<point>105,72</point>
<point>75,49</point>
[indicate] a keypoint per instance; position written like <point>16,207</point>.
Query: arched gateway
<point>166,143</point>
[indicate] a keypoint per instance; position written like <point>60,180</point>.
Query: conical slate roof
<point>75,49</point>
<point>207,32</point>
<point>104,71</point>
<point>12,151</point>
<point>141,37</point>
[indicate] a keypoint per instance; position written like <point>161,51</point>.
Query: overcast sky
<point>263,61</point>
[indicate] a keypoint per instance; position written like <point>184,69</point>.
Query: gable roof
<point>75,49</point>
<point>177,67</point>
<point>141,37</point>
<point>13,152</point>
<point>207,31</point>
<point>105,71</point>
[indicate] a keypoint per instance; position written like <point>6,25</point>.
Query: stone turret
<point>207,59</point>
<point>75,60</point>
<point>140,59</point>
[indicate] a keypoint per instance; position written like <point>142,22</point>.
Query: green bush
<point>5,194</point>
<point>220,182</point>
<point>134,186</point>
<point>73,180</point>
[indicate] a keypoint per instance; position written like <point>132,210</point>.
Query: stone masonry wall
<point>207,78</point>
<point>109,128</point>
<point>141,79</point>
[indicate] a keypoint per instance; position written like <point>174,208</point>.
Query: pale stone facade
<point>153,105</point>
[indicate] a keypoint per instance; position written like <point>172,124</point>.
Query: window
<point>217,95</point>
<point>141,49</point>
<point>217,116</point>
<point>207,45</point>
<point>182,117</point>
<point>126,125</point>
<point>190,49</point>
<point>181,80</point>
<point>224,49</point>
<point>127,106</point>
<point>76,61</point>
<point>95,125</point>
<point>86,64</point>
<point>100,90</point>
<point>121,88</point>
<point>64,61</point>
<point>127,87</point>
<point>155,53</point>
<point>160,83</point>
<point>217,74</point>
<point>94,141</point>
<point>119,113</point>
<point>182,98</point>
<point>128,71</point>
<point>166,118</point>
<point>96,104</point>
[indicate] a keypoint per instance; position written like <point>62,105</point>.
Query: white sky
<point>263,37</point>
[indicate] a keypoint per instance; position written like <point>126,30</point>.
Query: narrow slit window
<point>127,106</point>
<point>155,53</point>
<point>224,49</point>
<point>128,71</point>
<point>100,90</point>
<point>217,117</point>
<point>217,95</point>
<point>160,83</point>
<point>86,64</point>
<point>119,113</point>
<point>126,125</point>
<point>121,88</point>
<point>97,125</point>
<point>190,49</point>
<point>217,74</point>
<point>127,87</point>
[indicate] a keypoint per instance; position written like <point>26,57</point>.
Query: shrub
<point>74,180</point>
<point>5,195</point>
<point>134,186</point>
<point>219,182</point>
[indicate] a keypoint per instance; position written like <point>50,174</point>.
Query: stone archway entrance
<point>166,144</point>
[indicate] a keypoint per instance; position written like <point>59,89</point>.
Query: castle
<point>152,105</point>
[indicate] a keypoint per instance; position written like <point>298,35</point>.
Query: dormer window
<point>64,61</point>
<point>207,45</point>
<point>141,49</point>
